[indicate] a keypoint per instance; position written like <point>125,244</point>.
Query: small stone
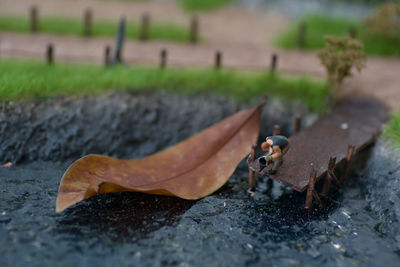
<point>7,165</point>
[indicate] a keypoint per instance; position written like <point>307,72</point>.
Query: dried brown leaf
<point>191,169</point>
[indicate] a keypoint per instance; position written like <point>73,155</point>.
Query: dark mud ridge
<point>358,226</point>
<point>118,124</point>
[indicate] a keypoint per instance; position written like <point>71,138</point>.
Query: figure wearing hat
<point>276,147</point>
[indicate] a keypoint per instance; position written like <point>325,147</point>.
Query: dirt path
<point>243,37</point>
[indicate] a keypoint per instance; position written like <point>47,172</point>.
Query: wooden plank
<point>357,122</point>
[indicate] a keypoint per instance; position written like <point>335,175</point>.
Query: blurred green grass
<point>392,129</point>
<point>319,26</point>
<point>28,78</point>
<point>203,5</point>
<point>100,28</point>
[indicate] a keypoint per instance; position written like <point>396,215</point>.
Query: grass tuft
<point>25,79</point>
<point>319,26</point>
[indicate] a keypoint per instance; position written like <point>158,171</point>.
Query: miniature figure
<point>276,147</point>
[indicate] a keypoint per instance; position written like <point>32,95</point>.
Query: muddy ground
<point>126,125</point>
<point>359,226</point>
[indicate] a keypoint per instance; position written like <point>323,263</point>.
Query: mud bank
<point>382,179</point>
<point>123,125</point>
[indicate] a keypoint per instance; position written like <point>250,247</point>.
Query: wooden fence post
<point>50,54</point>
<point>87,23</point>
<point>330,177</point>
<point>218,60</point>
<point>301,38</point>
<point>274,63</point>
<point>310,190</point>
<point>297,125</point>
<point>34,17</point>
<point>144,27</point>
<point>194,30</point>
<point>163,58</point>
<point>107,54</point>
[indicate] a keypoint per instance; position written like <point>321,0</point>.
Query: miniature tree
<point>339,57</point>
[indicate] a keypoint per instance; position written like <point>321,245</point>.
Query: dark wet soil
<point>358,226</point>
<point>123,125</point>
